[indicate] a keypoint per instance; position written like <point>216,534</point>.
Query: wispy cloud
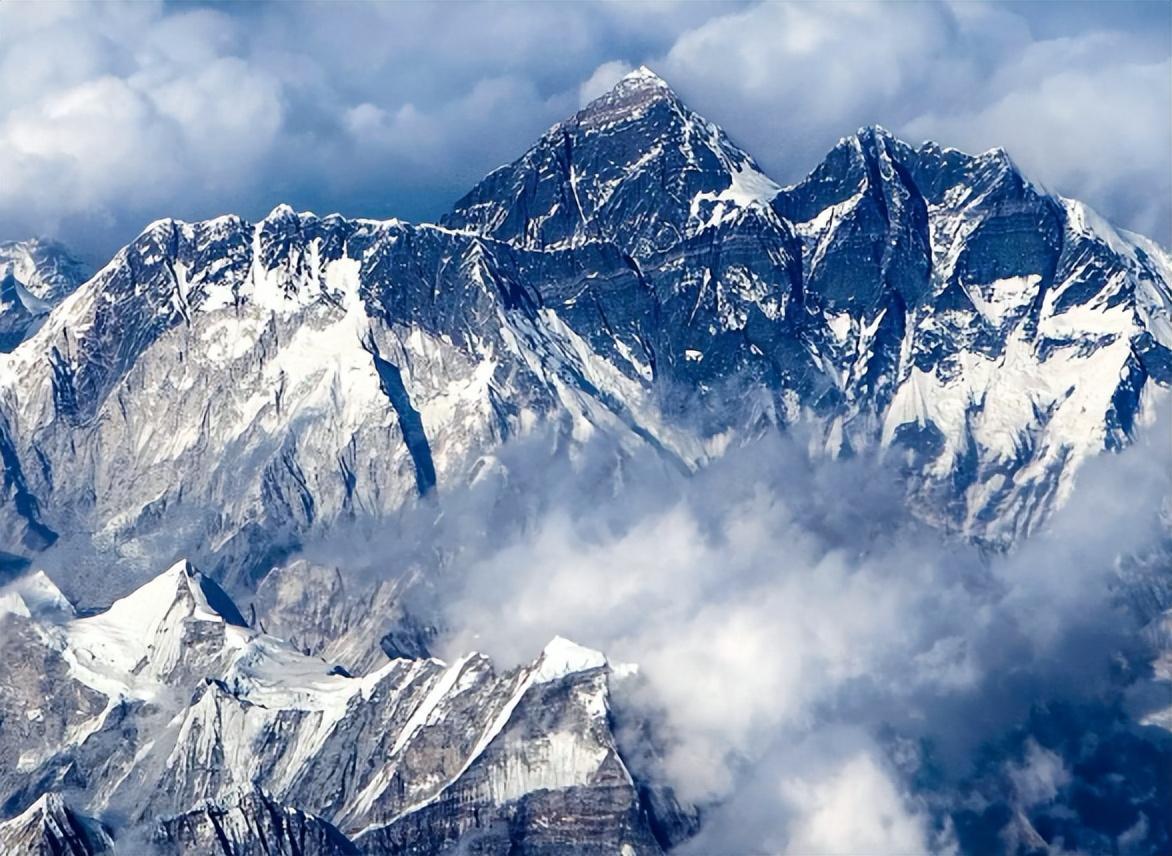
<point>809,654</point>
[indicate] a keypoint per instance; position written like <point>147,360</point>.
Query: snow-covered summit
<point>561,657</point>
<point>628,99</point>
<point>642,76</point>
<point>50,826</point>
<point>179,618</point>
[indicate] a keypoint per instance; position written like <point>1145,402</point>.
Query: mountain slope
<point>235,391</point>
<point>168,712</point>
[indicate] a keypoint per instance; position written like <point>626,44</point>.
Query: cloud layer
<point>807,652</point>
<point>113,115</point>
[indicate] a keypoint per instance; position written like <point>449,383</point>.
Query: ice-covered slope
<point>167,713</point>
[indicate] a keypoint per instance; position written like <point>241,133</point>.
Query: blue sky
<point>114,115</point>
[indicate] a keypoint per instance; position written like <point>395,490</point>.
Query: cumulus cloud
<point>602,80</point>
<point>112,115</point>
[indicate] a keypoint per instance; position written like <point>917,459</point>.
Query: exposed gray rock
<point>249,824</point>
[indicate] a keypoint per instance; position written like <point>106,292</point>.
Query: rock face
<point>249,824</point>
<point>357,626</point>
<point>200,732</point>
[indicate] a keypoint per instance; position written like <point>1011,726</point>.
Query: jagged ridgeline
<point>228,391</point>
<point>201,734</point>
<point>225,390</point>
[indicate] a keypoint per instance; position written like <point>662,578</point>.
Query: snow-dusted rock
<point>35,276</point>
<point>168,711</point>
<point>50,828</point>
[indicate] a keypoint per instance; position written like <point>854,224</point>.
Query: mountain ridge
<point>226,737</point>
<point>875,299</point>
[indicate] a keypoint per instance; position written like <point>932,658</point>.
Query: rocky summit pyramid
<point>230,391</point>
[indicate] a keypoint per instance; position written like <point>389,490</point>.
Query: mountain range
<point>223,393</point>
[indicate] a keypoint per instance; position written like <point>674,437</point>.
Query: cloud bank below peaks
<point>822,673</point>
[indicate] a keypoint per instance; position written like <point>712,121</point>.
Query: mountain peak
<point>874,131</point>
<point>179,592</point>
<point>563,657</point>
<point>283,211</point>
<point>50,826</point>
<point>627,168</point>
<point>630,98</point>
<point>35,595</point>
<point>643,77</point>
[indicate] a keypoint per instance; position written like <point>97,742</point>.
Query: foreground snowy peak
<point>192,731</point>
<point>50,828</point>
<point>161,627</point>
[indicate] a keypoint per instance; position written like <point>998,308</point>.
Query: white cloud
<point>1039,776</point>
<point>602,80</point>
<point>852,808</point>
<point>784,614</point>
